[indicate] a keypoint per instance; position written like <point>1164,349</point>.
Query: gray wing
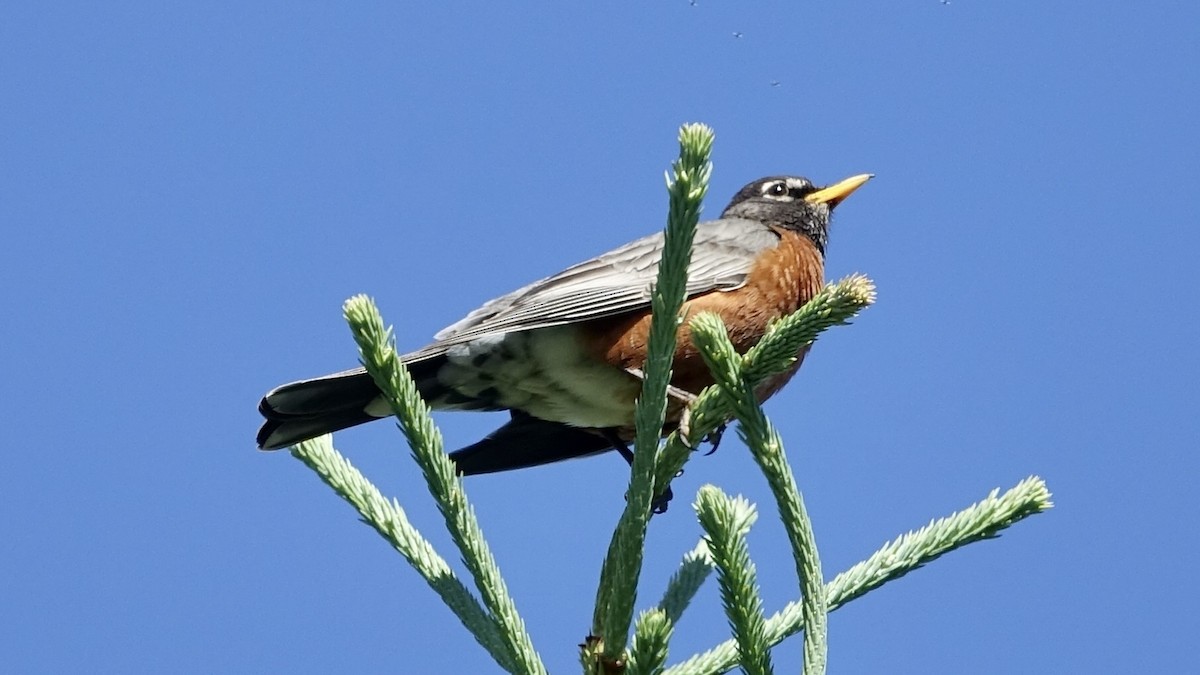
<point>613,283</point>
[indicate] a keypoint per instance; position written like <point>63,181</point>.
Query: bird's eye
<point>777,190</point>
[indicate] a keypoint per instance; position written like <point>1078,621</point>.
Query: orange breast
<point>779,283</point>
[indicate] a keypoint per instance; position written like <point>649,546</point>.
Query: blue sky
<point>188,194</point>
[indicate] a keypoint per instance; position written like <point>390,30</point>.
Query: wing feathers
<point>617,282</point>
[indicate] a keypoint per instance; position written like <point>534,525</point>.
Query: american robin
<point>564,354</point>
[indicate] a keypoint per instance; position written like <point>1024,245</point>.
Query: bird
<point>564,354</point>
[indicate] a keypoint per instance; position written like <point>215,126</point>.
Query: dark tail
<point>527,441</point>
<point>301,410</point>
<point>306,409</point>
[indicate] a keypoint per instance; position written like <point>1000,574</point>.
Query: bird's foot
<point>714,438</point>
<point>660,502</point>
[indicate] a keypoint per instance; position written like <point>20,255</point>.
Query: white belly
<point>544,373</point>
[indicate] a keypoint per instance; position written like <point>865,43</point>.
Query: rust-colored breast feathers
<point>780,282</point>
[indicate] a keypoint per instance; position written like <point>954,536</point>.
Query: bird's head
<point>793,203</point>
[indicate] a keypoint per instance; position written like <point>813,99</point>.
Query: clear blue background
<point>188,193</point>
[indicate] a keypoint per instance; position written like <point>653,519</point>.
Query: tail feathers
<point>347,389</point>
<point>527,441</point>
<point>281,433</point>
<point>306,409</point>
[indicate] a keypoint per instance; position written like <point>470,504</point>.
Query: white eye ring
<point>775,190</point>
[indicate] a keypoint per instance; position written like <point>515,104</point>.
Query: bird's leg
<point>610,434</point>
<point>660,502</point>
<point>687,398</point>
<point>674,392</point>
<point>685,430</point>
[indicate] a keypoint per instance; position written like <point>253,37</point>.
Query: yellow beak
<point>834,194</point>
